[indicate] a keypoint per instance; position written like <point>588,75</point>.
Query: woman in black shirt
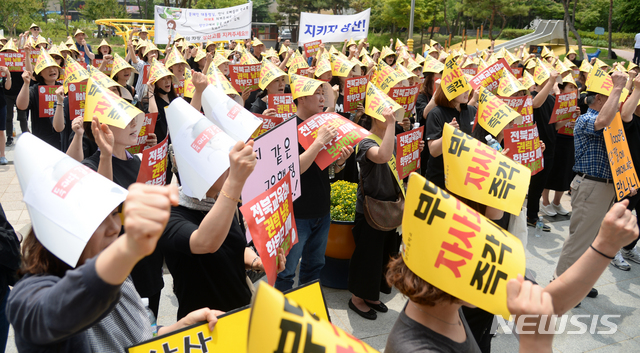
<point>456,113</point>
<point>29,98</point>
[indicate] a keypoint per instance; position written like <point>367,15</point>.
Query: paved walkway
<point>619,291</point>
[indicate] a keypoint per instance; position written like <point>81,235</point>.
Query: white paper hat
<point>201,148</point>
<point>228,115</point>
<point>66,200</point>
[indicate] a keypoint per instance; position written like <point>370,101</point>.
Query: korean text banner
<point>523,106</point>
<point>565,106</point>
<point>271,222</point>
<point>493,114</point>
<point>349,134</point>
<point>333,28</point>
<point>279,324</point>
<point>268,123</point>
<point>277,154</point>
<point>354,92</point>
<point>524,147</point>
<point>489,78</point>
<point>47,97</point>
<point>477,172</point>
<point>148,127</point>
<point>283,104</point>
<point>153,168</point>
<point>622,169</point>
<point>198,25</point>
<point>77,94</point>
<point>455,248</point>
<point>13,61</point>
<point>231,330</point>
<point>408,150</point>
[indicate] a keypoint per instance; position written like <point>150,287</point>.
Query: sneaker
<point>545,228</point>
<point>631,255</point>
<point>9,142</point>
<point>559,209</point>
<point>548,210</point>
<point>619,262</point>
<point>3,161</point>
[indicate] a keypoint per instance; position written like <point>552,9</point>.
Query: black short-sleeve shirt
<point>436,119</point>
<point>217,280</point>
<point>546,131</point>
<point>378,181</point>
<point>42,127</point>
<point>315,198</point>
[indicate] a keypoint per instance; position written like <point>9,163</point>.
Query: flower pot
<point>340,247</point>
<point>340,244</point>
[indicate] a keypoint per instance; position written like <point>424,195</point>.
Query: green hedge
<point>619,39</point>
<point>509,33</point>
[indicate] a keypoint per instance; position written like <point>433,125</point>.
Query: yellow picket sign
<point>340,65</point>
<point>377,101</point>
<point>107,106</point>
<point>231,331</point>
<point>479,173</point>
<point>324,65</point>
<point>622,169</point>
<point>456,249</point>
<point>268,73</point>
<point>493,113</point>
<point>385,77</point>
<point>541,72</point>
<point>599,82</point>
<point>509,85</point>
<point>189,88</point>
<point>527,80</point>
<point>279,324</point>
<point>44,60</point>
<point>302,86</point>
<point>453,79</point>
<point>73,72</point>
<point>432,65</point>
<point>100,78</point>
<point>218,79</point>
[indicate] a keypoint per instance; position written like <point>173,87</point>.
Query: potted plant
<point>340,244</point>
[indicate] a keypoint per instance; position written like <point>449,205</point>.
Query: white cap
<point>66,200</point>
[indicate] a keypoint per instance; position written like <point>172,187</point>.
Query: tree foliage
<point>14,13</point>
<point>495,10</point>
<point>97,9</point>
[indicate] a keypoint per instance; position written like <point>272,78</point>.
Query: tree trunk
<point>421,38</point>
<point>565,31</point>
<point>572,18</point>
<point>140,10</point>
<point>504,23</point>
<point>66,19</point>
<point>609,55</point>
<point>491,20</point>
<point>433,25</point>
<point>446,22</point>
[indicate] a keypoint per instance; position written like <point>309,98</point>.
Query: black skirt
<point>562,169</point>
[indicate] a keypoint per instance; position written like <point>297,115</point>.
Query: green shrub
<point>509,33</point>
<point>620,39</point>
<point>598,43</point>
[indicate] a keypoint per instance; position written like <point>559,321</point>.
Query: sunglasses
<point>36,28</point>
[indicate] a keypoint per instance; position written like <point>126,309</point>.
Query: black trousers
<point>636,56</point>
<point>370,258</point>
<point>537,185</point>
<point>633,204</point>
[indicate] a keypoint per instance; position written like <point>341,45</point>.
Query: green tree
<point>13,12</point>
<point>492,9</point>
<point>97,9</point>
<point>217,4</point>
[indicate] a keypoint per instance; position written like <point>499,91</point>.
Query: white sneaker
<point>619,262</point>
<point>631,255</point>
<point>548,209</point>
<point>559,209</point>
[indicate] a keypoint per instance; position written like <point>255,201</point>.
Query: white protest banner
<point>201,25</point>
<point>57,189</point>
<point>277,153</point>
<point>201,148</point>
<point>228,115</point>
<point>333,28</point>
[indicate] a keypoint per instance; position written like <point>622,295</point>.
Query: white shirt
<point>637,46</point>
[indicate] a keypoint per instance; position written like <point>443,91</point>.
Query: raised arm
<point>58,116</point>
<point>22,102</point>
<point>75,150</point>
<point>541,97</point>
<point>214,227</point>
<point>610,108</point>
<point>626,113</point>
<point>383,154</point>
<point>200,83</point>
